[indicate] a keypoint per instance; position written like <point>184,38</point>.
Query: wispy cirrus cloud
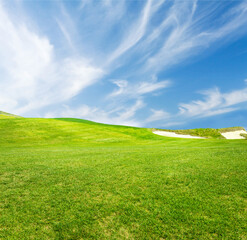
<point>67,27</point>
<point>188,33</point>
<point>157,115</point>
<point>214,103</point>
<point>135,34</point>
<point>126,89</point>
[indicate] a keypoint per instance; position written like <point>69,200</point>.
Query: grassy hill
<point>4,115</point>
<point>76,179</point>
<point>40,132</point>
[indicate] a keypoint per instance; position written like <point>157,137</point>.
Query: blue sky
<point>154,63</point>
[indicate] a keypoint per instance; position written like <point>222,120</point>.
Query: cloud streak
<point>187,34</point>
<point>135,33</point>
<point>125,89</point>
<point>214,103</point>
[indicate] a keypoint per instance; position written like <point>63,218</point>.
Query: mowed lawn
<point>74,179</point>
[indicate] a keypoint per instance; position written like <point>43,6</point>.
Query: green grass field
<point>75,179</point>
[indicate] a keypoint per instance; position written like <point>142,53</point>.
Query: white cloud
<point>157,115</point>
<point>148,87</point>
<point>213,99</point>
<point>186,34</point>
<point>66,33</point>
<point>139,89</point>
<point>31,75</point>
<point>122,85</point>
<point>214,103</point>
<point>135,34</point>
<point>235,97</point>
<point>131,111</point>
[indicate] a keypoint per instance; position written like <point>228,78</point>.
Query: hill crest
<point>8,115</point>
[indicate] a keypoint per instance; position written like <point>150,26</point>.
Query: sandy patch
<point>172,134</point>
<point>233,135</point>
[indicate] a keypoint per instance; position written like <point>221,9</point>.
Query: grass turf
<point>4,115</point>
<point>75,179</point>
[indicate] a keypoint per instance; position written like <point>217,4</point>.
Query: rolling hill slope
<point>4,115</point>
<point>76,179</point>
<point>67,131</point>
<point>31,131</point>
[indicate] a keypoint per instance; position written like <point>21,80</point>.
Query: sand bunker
<point>234,134</point>
<point>172,134</point>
